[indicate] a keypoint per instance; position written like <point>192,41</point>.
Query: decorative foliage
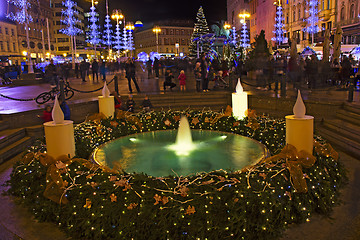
<point>279,26</point>
<point>22,16</point>
<point>107,31</point>
<point>255,203</point>
<point>94,28</point>
<point>244,36</point>
<point>70,20</point>
<point>313,18</point>
<point>201,28</point>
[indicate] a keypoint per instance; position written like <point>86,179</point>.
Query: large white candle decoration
<point>300,127</point>
<point>59,134</point>
<point>106,102</point>
<point>239,102</point>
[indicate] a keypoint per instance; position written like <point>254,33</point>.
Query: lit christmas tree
<point>107,29</point>
<point>124,39</point>
<point>23,17</point>
<point>233,37</point>
<point>313,19</point>
<point>279,25</point>
<point>70,22</point>
<point>118,42</point>
<point>201,28</point>
<point>130,38</point>
<point>244,35</point>
<point>94,29</point>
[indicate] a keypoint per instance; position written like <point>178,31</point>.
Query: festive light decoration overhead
<point>279,25</point>
<point>94,28</point>
<point>107,31</point>
<point>244,36</point>
<point>117,42</point>
<point>125,39</point>
<point>70,20</point>
<point>22,16</point>
<point>313,18</point>
<point>233,36</point>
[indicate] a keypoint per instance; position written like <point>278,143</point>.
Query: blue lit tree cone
<point>59,134</point>
<point>106,102</point>
<point>300,127</point>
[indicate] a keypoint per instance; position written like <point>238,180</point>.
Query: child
<point>117,100</point>
<point>146,104</point>
<point>130,104</point>
<point>182,79</point>
<point>46,116</point>
<point>197,72</point>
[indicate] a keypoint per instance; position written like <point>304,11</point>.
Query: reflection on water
<point>150,153</point>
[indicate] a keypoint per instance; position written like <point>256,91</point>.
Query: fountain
<point>185,151</point>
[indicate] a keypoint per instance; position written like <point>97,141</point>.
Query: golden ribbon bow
<point>295,162</point>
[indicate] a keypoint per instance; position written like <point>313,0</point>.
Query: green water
<point>150,153</point>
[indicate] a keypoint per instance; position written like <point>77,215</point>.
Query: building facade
<point>234,8</point>
<point>63,45</point>
<point>348,16</point>
<point>8,39</point>
<point>173,40</point>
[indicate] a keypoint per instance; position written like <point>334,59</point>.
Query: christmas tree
<point>201,28</point>
<point>313,18</point>
<point>94,29</point>
<point>279,26</point>
<point>70,20</point>
<point>23,17</point>
<point>244,36</point>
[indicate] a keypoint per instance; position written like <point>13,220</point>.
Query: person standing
<point>182,80</point>
<point>83,70</point>
<point>204,74</point>
<point>50,72</point>
<point>103,70</point>
<point>149,67</point>
<point>197,73</point>
<point>95,70</point>
<point>130,74</point>
<point>77,70</point>
<point>156,67</point>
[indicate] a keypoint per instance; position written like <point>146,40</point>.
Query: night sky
<point>154,10</point>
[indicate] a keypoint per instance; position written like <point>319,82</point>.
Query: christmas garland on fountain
<point>255,203</point>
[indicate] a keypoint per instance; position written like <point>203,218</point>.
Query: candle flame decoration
<point>105,90</point>
<point>239,88</point>
<point>57,113</point>
<point>299,107</point>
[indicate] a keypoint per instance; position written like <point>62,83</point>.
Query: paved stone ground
<point>17,223</point>
<point>154,86</point>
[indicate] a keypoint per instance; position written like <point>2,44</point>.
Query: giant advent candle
<point>239,101</point>
<point>106,102</point>
<point>59,134</point>
<point>300,127</point>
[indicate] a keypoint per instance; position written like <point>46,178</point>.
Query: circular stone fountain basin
<point>156,154</point>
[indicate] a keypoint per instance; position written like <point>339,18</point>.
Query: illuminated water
<point>156,154</point>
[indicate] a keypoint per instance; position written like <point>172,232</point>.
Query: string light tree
<point>201,28</point>
<point>279,24</point>
<point>23,17</point>
<point>130,40</point>
<point>313,19</point>
<point>244,32</point>
<point>118,41</point>
<point>107,30</point>
<point>70,22</point>
<point>94,28</point>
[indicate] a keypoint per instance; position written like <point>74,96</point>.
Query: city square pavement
<point>154,86</point>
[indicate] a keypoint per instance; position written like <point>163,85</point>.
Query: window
<point>294,16</point>
<point>8,46</point>
<point>6,31</point>
<point>58,14</point>
<point>0,30</point>
<point>232,17</point>
<point>1,46</point>
<point>58,5</point>
<point>63,48</point>
<point>14,47</point>
<point>287,18</point>
<point>12,32</point>
<point>62,40</point>
<point>352,11</point>
<point>299,13</point>
<point>303,35</point>
<point>328,4</point>
<point>322,5</point>
<point>329,25</point>
<point>342,13</point>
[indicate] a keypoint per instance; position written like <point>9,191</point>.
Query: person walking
<point>130,74</point>
<point>51,74</point>
<point>95,70</point>
<point>149,68</point>
<point>156,67</point>
<point>103,70</point>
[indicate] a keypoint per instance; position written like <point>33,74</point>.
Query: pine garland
<point>255,204</point>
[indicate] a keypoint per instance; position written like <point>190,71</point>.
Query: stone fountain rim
<point>266,152</point>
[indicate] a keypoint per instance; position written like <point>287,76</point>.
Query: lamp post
<point>130,28</point>
<point>244,32</point>
<point>157,30</point>
<point>177,45</point>
<point>117,15</point>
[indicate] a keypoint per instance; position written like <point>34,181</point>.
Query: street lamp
<point>244,32</point>
<point>177,45</point>
<point>157,30</point>
<point>227,26</point>
<point>118,16</point>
